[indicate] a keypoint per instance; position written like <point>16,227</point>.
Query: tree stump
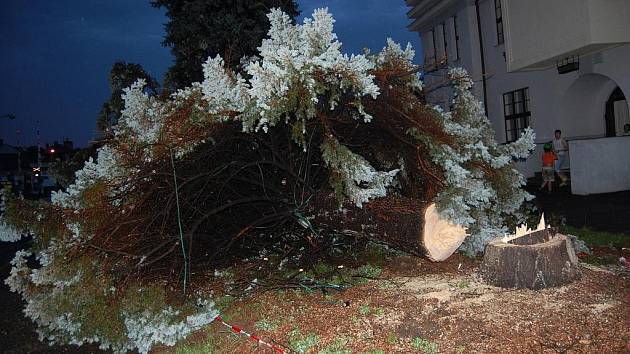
<point>535,261</point>
<point>409,224</point>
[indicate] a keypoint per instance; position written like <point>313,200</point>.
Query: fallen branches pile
<point>229,167</point>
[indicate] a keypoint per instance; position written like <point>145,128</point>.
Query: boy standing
<point>560,147</point>
<point>548,160</point>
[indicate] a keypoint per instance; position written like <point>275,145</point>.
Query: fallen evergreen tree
<point>263,159</point>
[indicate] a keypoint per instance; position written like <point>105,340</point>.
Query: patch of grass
<point>426,346</point>
<point>321,268</point>
<point>267,324</point>
<point>377,351</point>
<point>392,338</point>
<point>325,274</point>
<point>365,310</point>
<point>337,347</point>
<point>380,254</point>
<point>597,238</point>
<point>223,302</point>
<point>385,284</point>
<point>205,347</point>
<point>603,260</point>
<point>362,274</point>
<point>302,343</point>
<point>368,271</point>
<point>462,284</point>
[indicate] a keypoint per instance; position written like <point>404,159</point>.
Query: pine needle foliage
<point>236,160</point>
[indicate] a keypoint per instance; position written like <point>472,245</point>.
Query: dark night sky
<point>55,55</point>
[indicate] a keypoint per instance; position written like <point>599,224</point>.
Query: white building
<point>548,64</point>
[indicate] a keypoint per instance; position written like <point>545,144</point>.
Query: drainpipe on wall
<point>483,59</point>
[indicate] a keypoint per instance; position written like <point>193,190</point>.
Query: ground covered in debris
<point>408,304</point>
<point>401,304</point>
<point>398,304</point>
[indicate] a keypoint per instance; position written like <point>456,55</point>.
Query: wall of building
<point>600,165</point>
<point>562,28</point>
<point>573,102</point>
<point>608,21</point>
<point>468,58</point>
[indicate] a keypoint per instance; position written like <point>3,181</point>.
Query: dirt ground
<point>419,306</point>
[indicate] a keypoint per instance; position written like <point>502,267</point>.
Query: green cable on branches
<point>179,223</point>
<point>301,219</point>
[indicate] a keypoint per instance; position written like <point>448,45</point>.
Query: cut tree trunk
<point>535,261</point>
<point>409,224</point>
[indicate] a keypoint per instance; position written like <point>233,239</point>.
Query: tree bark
<point>535,261</point>
<point>408,224</point>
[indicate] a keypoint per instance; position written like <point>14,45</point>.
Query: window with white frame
<point>516,111</point>
<point>499,18</point>
<point>440,46</point>
<point>429,53</point>
<point>435,55</point>
<point>456,35</point>
<point>444,43</point>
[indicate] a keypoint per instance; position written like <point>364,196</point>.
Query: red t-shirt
<point>548,158</point>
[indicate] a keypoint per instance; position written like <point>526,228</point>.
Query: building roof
<point>424,12</point>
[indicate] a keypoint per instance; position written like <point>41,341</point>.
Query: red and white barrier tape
<point>256,339</point>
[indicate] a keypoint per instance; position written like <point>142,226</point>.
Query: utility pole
<point>19,149</point>
<point>39,147</point>
<point>17,134</point>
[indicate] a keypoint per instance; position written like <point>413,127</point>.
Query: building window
<point>497,12</point>
<point>456,32</point>
<point>444,41</point>
<point>516,110</point>
<point>429,57</point>
<point>443,49</point>
<point>435,60</point>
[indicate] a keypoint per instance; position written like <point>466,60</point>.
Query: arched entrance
<point>617,114</point>
<point>594,111</point>
<point>583,109</point>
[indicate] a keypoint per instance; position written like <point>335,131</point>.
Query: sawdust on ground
<point>416,304</point>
